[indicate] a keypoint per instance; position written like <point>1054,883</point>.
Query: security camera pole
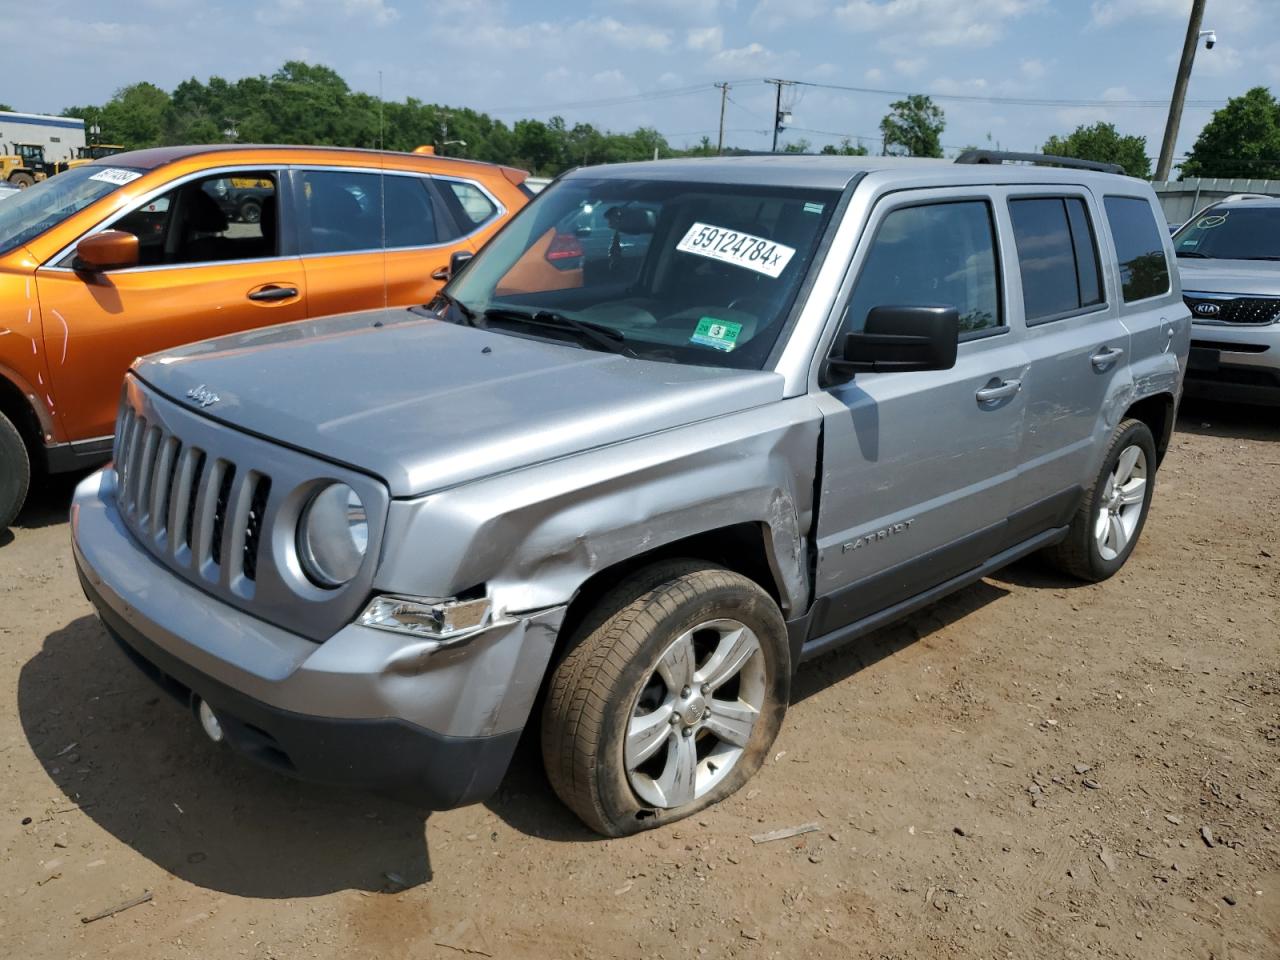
<point>1180,90</point>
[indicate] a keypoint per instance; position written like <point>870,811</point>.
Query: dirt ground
<point>1031,768</point>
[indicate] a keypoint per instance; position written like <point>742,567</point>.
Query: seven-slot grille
<point>201,512</point>
<point>1254,310</point>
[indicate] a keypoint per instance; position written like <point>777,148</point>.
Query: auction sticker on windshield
<point>734,246</point>
<point>116,175</point>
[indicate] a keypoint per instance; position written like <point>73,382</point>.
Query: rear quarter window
<point>1144,269</point>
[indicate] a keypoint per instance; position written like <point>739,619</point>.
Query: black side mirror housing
<point>458,260</point>
<point>899,339</point>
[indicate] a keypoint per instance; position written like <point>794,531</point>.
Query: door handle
<point>1001,391</point>
<point>1105,357</point>
<point>273,293</point>
<point>441,274</point>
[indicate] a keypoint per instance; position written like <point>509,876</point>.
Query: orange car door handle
<point>272,293</point>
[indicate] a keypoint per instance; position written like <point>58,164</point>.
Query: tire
<point>22,180</point>
<point>15,472</point>
<point>250,211</point>
<point>1106,528</point>
<point>611,682</point>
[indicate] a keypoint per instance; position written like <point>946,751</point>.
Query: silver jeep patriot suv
<point>680,427</point>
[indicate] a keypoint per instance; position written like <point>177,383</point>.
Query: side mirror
<point>458,260</point>
<point>108,250</point>
<point>900,339</point>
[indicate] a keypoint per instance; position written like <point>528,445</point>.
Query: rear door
<point>919,470</point>
<point>1079,348</point>
<point>371,238</point>
<point>203,272</point>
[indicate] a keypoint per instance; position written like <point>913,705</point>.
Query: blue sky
<point>656,59</point>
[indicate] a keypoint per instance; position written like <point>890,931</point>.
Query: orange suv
<point>147,250</point>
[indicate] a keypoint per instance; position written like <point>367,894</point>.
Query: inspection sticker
<point>116,175</point>
<point>734,246</point>
<point>720,334</point>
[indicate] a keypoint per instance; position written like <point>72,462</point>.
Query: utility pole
<point>780,119</point>
<point>1180,90</point>
<point>724,95</point>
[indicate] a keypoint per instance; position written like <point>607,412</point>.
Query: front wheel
<point>15,471</point>
<point>670,699</point>
<point>22,180</point>
<point>1106,528</point>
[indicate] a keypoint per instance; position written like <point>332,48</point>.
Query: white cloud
<point>376,11</point>
<point>1032,69</point>
<point>874,75</point>
<point>910,24</point>
<point>554,38</point>
<point>775,14</point>
<point>910,67</point>
<point>709,39</point>
<point>1239,14</point>
<point>280,12</point>
<point>743,58</point>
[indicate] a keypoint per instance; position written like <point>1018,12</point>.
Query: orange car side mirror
<point>108,250</point>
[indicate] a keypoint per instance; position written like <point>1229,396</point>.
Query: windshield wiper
<point>602,336</point>
<point>1192,253</point>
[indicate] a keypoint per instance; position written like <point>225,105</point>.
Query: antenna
<point>382,194</point>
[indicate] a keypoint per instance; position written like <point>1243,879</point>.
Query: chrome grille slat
<point>161,485</point>
<point>205,503</point>
<point>142,482</point>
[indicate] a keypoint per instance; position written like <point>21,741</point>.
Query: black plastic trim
<point>437,771</point>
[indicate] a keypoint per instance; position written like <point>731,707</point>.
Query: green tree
<point>915,124</point>
<point>846,148</point>
<point>136,116</point>
<point>1103,143</point>
<point>5,108</point>
<point>798,146</point>
<point>1242,140</point>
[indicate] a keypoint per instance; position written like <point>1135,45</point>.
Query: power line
<point>622,99</point>
<point>1008,101</point>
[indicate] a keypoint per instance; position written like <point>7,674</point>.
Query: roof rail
<point>1041,159</point>
<point>1249,196</point>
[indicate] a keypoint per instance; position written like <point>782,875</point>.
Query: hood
<point>1244,277</point>
<point>425,404</point>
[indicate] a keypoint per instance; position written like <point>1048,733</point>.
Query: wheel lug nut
<point>688,731</point>
<point>675,718</point>
<point>706,688</point>
<point>685,692</point>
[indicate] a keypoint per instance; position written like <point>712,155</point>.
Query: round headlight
<point>333,535</point>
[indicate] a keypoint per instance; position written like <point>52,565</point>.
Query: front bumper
<point>367,707</point>
<point>1234,362</point>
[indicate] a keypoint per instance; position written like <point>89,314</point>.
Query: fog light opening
<point>209,722</point>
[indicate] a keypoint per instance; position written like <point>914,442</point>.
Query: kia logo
<point>1207,309</point>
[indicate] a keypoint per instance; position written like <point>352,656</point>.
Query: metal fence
<point>1182,198</point>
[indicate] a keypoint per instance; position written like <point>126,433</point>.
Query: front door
<point>919,469</point>
<point>203,272</point>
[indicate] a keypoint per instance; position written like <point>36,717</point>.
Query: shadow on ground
<point>1230,420</point>
<point>137,764</point>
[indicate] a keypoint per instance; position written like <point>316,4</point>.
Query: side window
<point>216,218</point>
<point>1057,257</point>
<point>1144,270</point>
<point>411,218</point>
<point>471,206</point>
<point>938,254</point>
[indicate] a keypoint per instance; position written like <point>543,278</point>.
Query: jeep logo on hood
<point>1207,309</point>
<point>203,396</point>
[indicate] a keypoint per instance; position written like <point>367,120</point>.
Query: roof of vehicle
<point>1237,203</point>
<point>154,157</point>
<point>807,170</point>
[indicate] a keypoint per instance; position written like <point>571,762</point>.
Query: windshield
<point>1239,233</point>
<point>692,273</point>
<point>37,208</point>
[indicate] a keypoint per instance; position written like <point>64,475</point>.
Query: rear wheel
<point>250,211</point>
<point>670,699</point>
<point>15,471</point>
<point>1106,528</point>
<point>22,180</point>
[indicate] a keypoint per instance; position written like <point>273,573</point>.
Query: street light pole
<point>1180,90</point>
